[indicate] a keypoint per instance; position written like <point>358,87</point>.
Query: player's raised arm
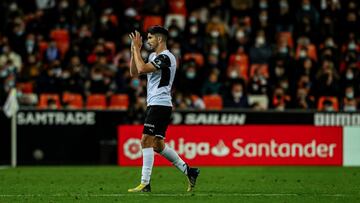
<point>140,65</point>
<point>133,69</point>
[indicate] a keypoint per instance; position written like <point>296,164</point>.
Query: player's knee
<point>146,142</point>
<point>158,145</point>
<point>157,148</point>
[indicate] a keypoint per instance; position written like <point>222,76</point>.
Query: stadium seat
<point>119,101</point>
<point>288,36</point>
<point>334,101</point>
<point>311,52</point>
<point>73,100</point>
<point>96,101</point>
<point>43,45</point>
<point>213,102</point>
<point>179,18</point>
<point>241,61</point>
<point>177,7</point>
<point>61,36</point>
<point>25,87</point>
<point>197,57</point>
<point>149,21</point>
<point>263,68</point>
<point>45,98</point>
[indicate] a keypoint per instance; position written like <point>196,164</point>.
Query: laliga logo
<point>132,148</point>
<point>220,149</point>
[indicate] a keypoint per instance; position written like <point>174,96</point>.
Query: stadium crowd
<point>255,54</point>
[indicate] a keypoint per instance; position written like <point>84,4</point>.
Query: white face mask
<point>263,5</point>
<point>283,50</point>
<point>349,75</point>
<point>329,108</point>
<point>349,95</point>
<point>237,95</point>
<point>279,71</point>
<point>192,19</point>
<point>176,51</point>
<point>215,34</point>
<point>190,74</point>
<point>64,4</point>
<point>306,7</point>
<point>173,33</point>
<point>260,41</point>
<point>284,4</point>
<point>240,34</point>
<point>194,29</point>
<point>303,54</point>
<point>233,74</point>
<point>97,77</point>
<point>349,108</point>
<point>352,46</point>
<point>329,43</point>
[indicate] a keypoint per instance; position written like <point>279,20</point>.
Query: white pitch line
<point>180,195</point>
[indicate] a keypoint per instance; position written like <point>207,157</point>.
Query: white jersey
<point>159,82</point>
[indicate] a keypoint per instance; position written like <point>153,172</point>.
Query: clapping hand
<point>136,40</point>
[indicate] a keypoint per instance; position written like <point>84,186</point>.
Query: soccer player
<point>160,71</point>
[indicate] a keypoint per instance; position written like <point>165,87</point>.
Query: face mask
<point>329,108</point>
<point>13,7</point>
<point>215,34</point>
<point>135,83</point>
<point>3,73</point>
<point>194,29</point>
<point>350,95</point>
<point>97,77</point>
<point>283,50</point>
<point>173,33</point>
<point>284,85</point>
<point>190,74</point>
<point>176,52</point>
<point>65,75</point>
<point>302,54</point>
<point>192,19</point>
<point>64,4</point>
<point>260,41</point>
<point>349,75</point>
<point>29,42</point>
<point>237,95</point>
<point>215,51</point>
<point>329,43</point>
<point>352,46</point>
<point>56,71</point>
<point>263,5</point>
<point>240,34</point>
<point>284,4</point>
<point>263,18</point>
<point>279,71</point>
<point>349,108</point>
<point>233,74</point>
<point>104,19</point>
<point>306,7</point>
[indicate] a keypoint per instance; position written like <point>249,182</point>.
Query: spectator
<point>212,85</point>
<point>237,98</point>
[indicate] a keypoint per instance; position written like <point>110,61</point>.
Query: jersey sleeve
<point>162,61</point>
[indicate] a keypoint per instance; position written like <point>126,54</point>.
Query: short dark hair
<point>156,29</point>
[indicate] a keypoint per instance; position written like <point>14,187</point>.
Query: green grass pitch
<point>215,184</point>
